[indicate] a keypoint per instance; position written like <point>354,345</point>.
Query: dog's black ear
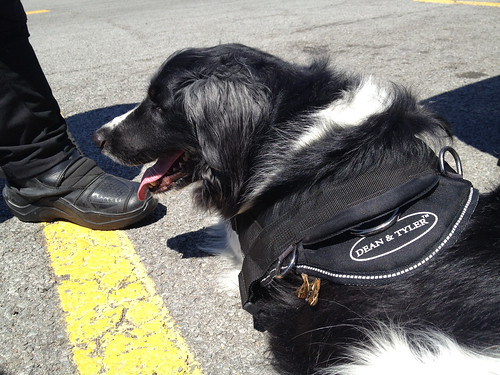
<point>227,113</point>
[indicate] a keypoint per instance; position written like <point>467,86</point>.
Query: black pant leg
<point>33,134</point>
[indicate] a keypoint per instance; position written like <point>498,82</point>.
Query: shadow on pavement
<point>193,244</point>
<point>474,113</point>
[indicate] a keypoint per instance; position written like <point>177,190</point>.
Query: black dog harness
<point>381,226</point>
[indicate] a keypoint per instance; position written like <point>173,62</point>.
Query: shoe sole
<point>48,210</point>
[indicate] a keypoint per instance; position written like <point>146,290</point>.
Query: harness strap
<point>264,236</point>
<point>317,236</point>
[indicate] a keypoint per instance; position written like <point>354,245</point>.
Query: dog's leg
<point>223,240</point>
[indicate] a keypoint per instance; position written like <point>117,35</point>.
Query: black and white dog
<point>364,252</point>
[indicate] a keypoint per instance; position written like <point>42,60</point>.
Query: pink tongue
<point>155,172</point>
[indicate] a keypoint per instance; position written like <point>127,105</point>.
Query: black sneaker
<point>77,190</point>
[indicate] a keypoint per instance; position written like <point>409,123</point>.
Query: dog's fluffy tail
<point>395,351</point>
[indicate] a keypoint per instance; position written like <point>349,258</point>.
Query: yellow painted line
<point>478,3</point>
<point>116,322</point>
<point>37,11</point>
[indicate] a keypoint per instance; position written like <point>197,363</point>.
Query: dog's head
<point>200,121</point>
<point>249,127</point>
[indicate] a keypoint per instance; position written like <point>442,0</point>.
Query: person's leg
<point>47,178</point>
<point>33,134</point>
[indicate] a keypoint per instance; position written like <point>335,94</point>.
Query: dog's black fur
<point>237,111</point>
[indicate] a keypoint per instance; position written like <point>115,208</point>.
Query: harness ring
<point>442,163</point>
<point>378,228</point>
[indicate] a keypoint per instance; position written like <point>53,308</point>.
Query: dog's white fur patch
<point>354,107</point>
<point>391,352</point>
<point>117,120</point>
<point>111,125</point>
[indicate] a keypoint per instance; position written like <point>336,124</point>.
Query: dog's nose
<point>99,138</point>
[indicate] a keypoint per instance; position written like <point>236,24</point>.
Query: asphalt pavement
<point>99,56</point>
